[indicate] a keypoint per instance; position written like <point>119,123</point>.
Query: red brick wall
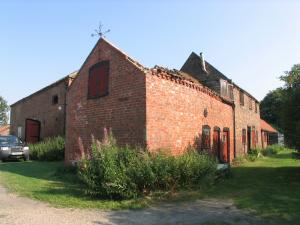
<point>175,114</point>
<point>245,117</point>
<point>122,110</point>
<point>39,107</point>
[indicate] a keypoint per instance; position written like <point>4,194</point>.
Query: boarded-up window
<point>244,136</point>
<point>241,98</point>
<point>223,85</point>
<point>205,137</point>
<point>250,103</point>
<point>98,80</point>
<point>255,107</point>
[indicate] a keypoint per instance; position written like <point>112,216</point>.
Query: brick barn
<point>153,108</point>
<point>42,114</point>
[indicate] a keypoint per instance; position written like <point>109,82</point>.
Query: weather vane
<point>99,32</point>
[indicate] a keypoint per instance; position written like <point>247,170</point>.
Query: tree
<point>3,111</point>
<point>290,115</point>
<point>292,78</point>
<point>271,107</point>
<point>281,107</point>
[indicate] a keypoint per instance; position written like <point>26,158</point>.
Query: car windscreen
<point>9,140</point>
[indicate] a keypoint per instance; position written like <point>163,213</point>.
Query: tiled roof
<point>267,127</point>
<point>4,130</point>
<point>176,73</point>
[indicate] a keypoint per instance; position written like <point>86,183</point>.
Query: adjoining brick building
<point>269,135</point>
<point>246,115</point>
<point>152,108</point>
<point>41,114</point>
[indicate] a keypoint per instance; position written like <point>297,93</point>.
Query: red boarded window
<point>98,80</point>
<point>205,137</point>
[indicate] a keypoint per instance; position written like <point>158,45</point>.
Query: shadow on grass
<point>38,170</point>
<point>270,191</point>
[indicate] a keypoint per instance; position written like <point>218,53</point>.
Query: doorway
<point>248,139</point>
<point>217,144</point>
<point>226,146</point>
<point>32,131</point>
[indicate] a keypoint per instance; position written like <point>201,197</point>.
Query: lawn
<point>269,187</point>
<point>48,182</point>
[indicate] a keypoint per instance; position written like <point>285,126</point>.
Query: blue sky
<point>252,42</point>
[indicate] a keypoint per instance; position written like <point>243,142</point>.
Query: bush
<point>273,150</point>
<point>115,172</point>
<point>253,154</point>
<point>51,149</point>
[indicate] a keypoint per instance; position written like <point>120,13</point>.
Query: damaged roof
<point>193,66</point>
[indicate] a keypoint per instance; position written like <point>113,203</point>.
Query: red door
<point>32,131</point>
<point>225,146</point>
<point>216,144</point>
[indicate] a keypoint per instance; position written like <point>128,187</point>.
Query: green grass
<point>41,181</point>
<point>270,186</point>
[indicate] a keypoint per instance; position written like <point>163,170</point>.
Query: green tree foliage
<point>290,114</point>
<point>292,78</point>
<point>3,111</point>
<point>271,106</point>
<point>281,107</point>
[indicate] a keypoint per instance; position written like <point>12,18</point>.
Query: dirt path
<point>16,210</point>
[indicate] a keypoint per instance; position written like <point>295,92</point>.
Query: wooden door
<point>32,131</point>
<point>216,145</point>
<point>226,147</point>
<point>248,139</point>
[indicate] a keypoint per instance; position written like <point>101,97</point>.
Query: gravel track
<point>15,210</point>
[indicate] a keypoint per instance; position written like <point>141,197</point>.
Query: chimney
<point>203,62</point>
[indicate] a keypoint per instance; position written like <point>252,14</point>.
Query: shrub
<point>51,149</point>
<point>273,150</point>
<point>116,172</point>
<point>253,154</point>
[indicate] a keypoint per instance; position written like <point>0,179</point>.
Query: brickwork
<point>244,118</point>
<point>123,110</point>
<point>175,113</point>
<point>39,107</point>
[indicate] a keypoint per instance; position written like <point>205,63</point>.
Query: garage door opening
<point>32,131</point>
